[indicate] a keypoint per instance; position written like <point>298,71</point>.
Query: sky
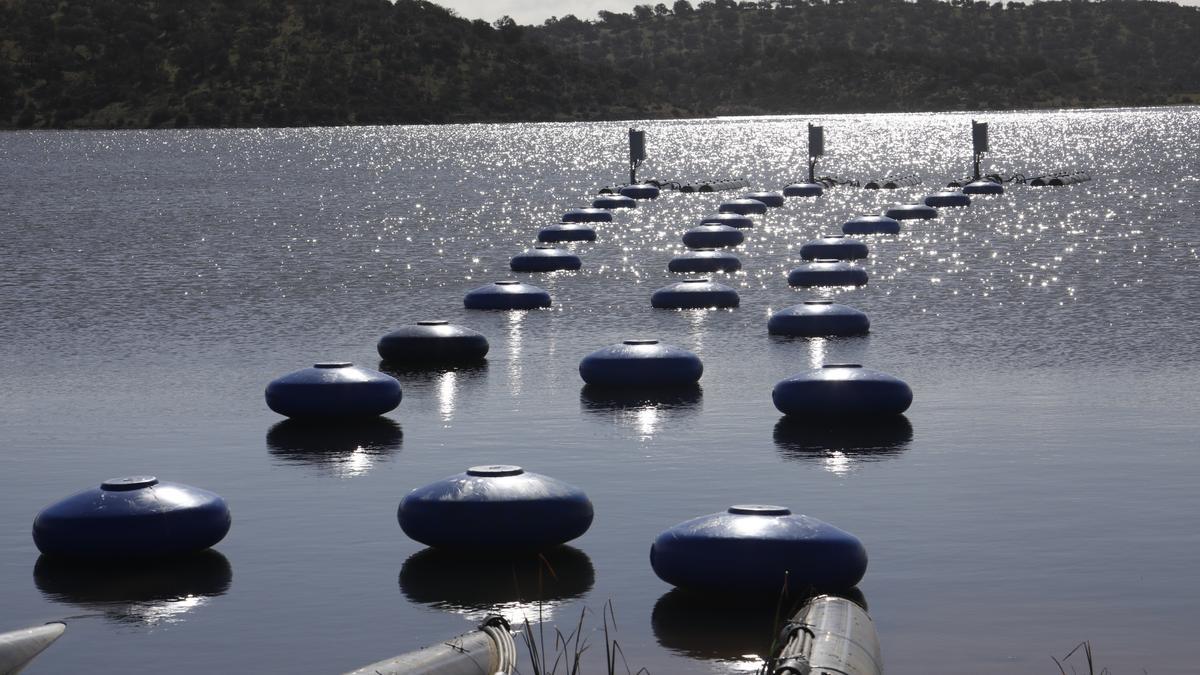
<point>536,11</point>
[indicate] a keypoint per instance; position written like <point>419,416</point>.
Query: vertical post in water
<point>816,148</point>
<point>637,152</point>
<point>979,141</point>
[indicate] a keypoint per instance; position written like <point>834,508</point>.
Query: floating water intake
<point>333,390</point>
<point>544,258</point>
<point>827,273</point>
<point>818,318</point>
<point>695,294</point>
<point>842,390</point>
<point>731,219</point>
<point>773,200</point>
<point>947,198</point>
<point>871,225</point>
<point>983,187</point>
<point>640,191</point>
<point>803,190</point>
<point>566,232</point>
<point>614,202</point>
<point>758,550</point>
<point>592,215</point>
<point>712,236</point>
<point>134,517</point>
<point>705,260</point>
<point>834,247</point>
<point>507,295</point>
<point>641,364</point>
<point>742,207</point>
<point>495,509</point>
<point>911,212</point>
<point>432,342</point>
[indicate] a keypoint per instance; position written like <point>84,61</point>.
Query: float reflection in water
<point>446,384</point>
<point>645,410</point>
<point>150,593</point>
<point>344,448</point>
<point>841,444</point>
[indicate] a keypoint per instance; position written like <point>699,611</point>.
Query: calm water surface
<point>1043,491</point>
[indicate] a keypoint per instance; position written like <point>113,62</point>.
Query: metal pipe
<point>486,651</point>
<point>19,647</point>
<point>829,636</point>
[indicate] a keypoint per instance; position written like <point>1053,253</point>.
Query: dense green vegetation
<point>154,63</point>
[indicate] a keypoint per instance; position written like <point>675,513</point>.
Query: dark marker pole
<point>637,153</point>
<point>816,148</point>
<point>979,139</point>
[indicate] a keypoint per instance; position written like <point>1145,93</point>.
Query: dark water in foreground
<point>1042,493</point>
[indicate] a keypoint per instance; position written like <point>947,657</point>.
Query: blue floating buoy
<point>827,273</point>
<point>432,342</point>
<point>773,200</point>
<point>641,364</point>
<point>566,232</point>
<point>818,318</point>
<point>834,247</point>
<point>641,191</point>
<point>614,202</point>
<point>705,260</point>
<point>333,390</point>
<point>592,215</point>
<point>742,207</point>
<point>695,294</point>
<point>803,190</point>
<point>544,258</point>
<point>757,549</point>
<point>947,198</point>
<point>731,219</point>
<point>911,212</point>
<point>507,295</point>
<point>712,236</point>
<point>495,509</point>
<point>983,187</point>
<point>842,390</point>
<point>133,517</point>
<point>871,225</point>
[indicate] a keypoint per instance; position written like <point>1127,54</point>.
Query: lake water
<point>1043,492</point>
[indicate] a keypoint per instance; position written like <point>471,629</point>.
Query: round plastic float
<point>640,191</point>
<point>695,294</point>
<point>731,219</point>
<point>827,273</point>
<point>495,509</point>
<point>507,295</point>
<point>755,549</point>
<point>871,225</point>
<point>773,200</point>
<point>333,390</point>
<point>544,258</point>
<point>842,390</point>
<point>614,202</point>
<point>712,236</point>
<point>592,215</point>
<point>983,187</point>
<point>911,212</point>
<point>819,318</point>
<point>432,342</point>
<point>705,260</point>
<point>566,232</point>
<point>947,198</point>
<point>742,207</point>
<point>803,190</point>
<point>834,247</point>
<point>133,517</point>
<point>641,364</point>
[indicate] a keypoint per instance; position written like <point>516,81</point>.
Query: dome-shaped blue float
<point>641,364</point>
<point>712,236</point>
<point>871,225</point>
<point>432,342</point>
<point>803,190</point>
<point>947,198</point>
<point>640,191</point>
<point>842,390</point>
<point>507,294</point>
<point>834,247</point>
<point>133,517</point>
<point>333,390</point>
<point>827,273</point>
<point>592,215</point>
<point>818,318</point>
<point>544,258</point>
<point>731,219</point>
<point>911,212</point>
<point>755,549</point>
<point>773,200</point>
<point>614,202</point>
<point>695,294</point>
<point>495,509</point>
<point>743,207</point>
<point>983,187</point>
<point>705,260</point>
<point>566,232</point>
